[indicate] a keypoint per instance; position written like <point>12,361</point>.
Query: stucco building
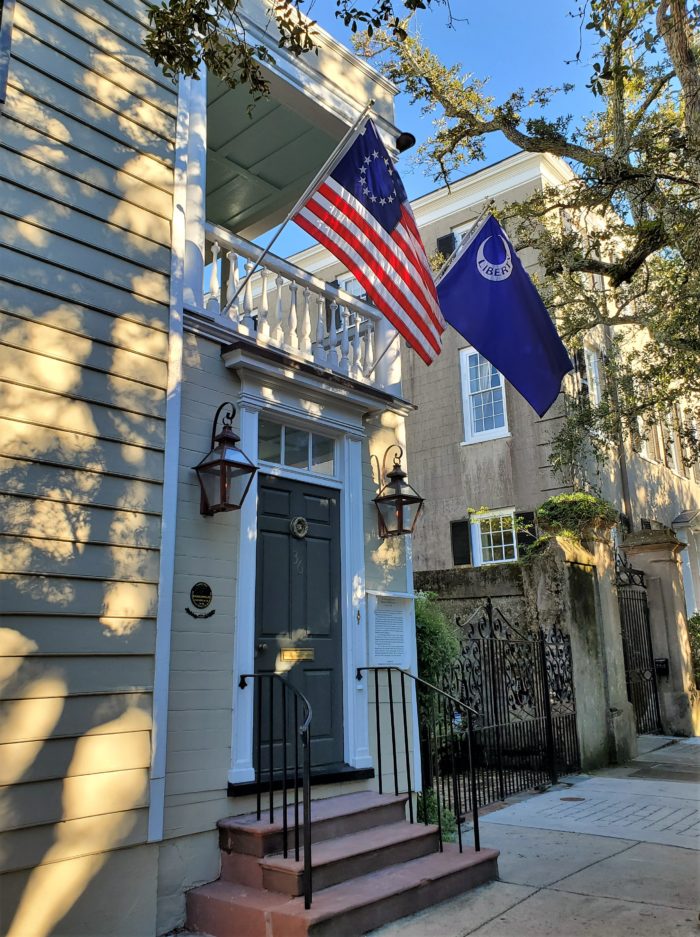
<point>475,445</point>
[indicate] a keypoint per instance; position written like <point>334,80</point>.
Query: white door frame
<point>346,426</point>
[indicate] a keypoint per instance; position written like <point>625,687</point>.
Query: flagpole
<point>335,157</point>
<point>467,239</point>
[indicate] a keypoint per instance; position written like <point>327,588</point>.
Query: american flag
<point>361,214</point>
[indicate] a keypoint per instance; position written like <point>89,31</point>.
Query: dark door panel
<point>298,605</point>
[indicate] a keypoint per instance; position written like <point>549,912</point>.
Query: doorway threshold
<point>323,774</point>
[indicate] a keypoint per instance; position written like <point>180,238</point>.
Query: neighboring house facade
<point>123,728</point>
<point>475,444</point>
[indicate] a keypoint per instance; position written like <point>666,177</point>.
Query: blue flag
<point>491,301</point>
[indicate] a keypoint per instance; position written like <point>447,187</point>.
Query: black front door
<point>297,607</point>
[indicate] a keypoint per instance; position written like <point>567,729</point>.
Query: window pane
<point>497,539</point>
<point>322,454</point>
<point>296,448</point>
<point>482,374</point>
<point>269,441</point>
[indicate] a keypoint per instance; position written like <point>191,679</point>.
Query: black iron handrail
<point>438,710</point>
<point>284,772</point>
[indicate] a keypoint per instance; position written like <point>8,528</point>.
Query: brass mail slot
<point>298,653</point>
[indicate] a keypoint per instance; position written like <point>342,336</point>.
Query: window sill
<point>486,437</point>
<point>498,562</point>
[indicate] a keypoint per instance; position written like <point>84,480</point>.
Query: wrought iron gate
<point>521,686</point>
<point>636,645</point>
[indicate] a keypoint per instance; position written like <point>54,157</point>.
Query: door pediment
<point>274,379</point>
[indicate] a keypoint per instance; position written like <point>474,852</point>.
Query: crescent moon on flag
<point>490,271</point>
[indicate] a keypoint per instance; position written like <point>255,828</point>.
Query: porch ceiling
<point>258,165</point>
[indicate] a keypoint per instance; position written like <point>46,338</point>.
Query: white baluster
<point>290,333</point>
<point>319,351</point>
<point>345,342</point>
<point>368,356</point>
<point>231,284</point>
<point>214,301</point>
<point>305,337</point>
<point>234,279</point>
<point>263,312</point>
<point>333,337</point>
<point>248,298</point>
<point>356,367</point>
<point>277,334</point>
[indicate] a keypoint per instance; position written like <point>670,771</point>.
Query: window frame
<point>287,469</point>
<point>475,531</point>
<point>592,361</point>
<point>469,436</point>
<point>7,13</point>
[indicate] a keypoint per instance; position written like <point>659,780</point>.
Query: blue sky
<point>516,44</point>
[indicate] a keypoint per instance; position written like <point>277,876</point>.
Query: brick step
<point>224,909</point>
<point>330,818</point>
<point>347,857</point>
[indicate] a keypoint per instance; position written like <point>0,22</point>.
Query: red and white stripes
<point>392,268</point>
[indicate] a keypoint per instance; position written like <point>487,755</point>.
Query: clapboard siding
<point>77,412</point>
<point>66,634</point>
<point>81,39</point>
<point>131,400</point>
<point>73,286</point>
<point>132,109</point>
<point>86,154</point>
<point>94,197</point>
<point>31,595</point>
<point>26,720</point>
<point>59,758</point>
<point>136,351</point>
<point>41,243</point>
<point>45,519</point>
<point>23,849</point>
<point>47,151</point>
<point>85,560</point>
<point>76,487</point>
<point>25,440</point>
<point>79,226</point>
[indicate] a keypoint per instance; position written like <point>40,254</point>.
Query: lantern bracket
<point>227,420</point>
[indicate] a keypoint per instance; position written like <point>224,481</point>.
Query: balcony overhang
<point>259,163</point>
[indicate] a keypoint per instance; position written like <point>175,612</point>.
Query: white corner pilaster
<point>161,678</point>
<point>356,724</point>
<point>196,196</point>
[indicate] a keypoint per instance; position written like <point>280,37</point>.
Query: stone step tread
<point>353,844</point>
<point>357,893</point>
<point>329,808</point>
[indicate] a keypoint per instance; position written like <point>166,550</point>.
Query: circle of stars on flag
<point>366,191</point>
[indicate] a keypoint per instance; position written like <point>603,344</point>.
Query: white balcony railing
<point>283,306</point>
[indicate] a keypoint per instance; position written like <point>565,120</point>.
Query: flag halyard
<point>360,213</point>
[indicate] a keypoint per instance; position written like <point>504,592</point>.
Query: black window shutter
<point>461,543</point>
<point>447,244</point>
<point>526,532</point>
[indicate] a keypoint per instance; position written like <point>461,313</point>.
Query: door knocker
<point>299,527</point>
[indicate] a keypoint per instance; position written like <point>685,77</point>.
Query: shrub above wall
<point>575,515</point>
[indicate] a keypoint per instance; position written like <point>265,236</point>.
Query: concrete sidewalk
<point>610,855</point>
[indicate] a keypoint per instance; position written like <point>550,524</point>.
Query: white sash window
<point>483,398</point>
